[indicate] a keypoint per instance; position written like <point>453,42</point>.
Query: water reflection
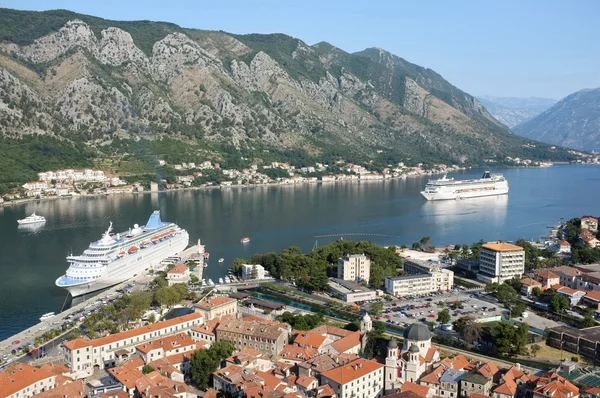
<point>452,216</point>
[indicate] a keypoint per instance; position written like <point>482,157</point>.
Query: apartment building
<point>268,338</point>
<point>499,262</point>
<point>360,378</point>
<point>249,269</point>
<point>24,381</point>
<point>355,267</point>
<point>420,277</point>
<point>82,356</point>
<point>216,307</point>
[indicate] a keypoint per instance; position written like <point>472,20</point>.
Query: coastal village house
<point>178,274</point>
<point>24,381</point>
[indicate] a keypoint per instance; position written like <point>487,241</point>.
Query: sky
<point>516,48</point>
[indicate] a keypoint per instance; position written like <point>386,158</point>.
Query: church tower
<point>366,324</point>
<point>391,368</point>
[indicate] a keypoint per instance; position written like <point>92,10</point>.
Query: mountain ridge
<point>89,80</point>
<point>512,111</point>
<point>574,122</point>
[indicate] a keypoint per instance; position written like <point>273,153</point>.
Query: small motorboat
<point>46,316</point>
<point>221,259</point>
<point>245,239</point>
<point>206,255</point>
<point>221,281</point>
<point>32,219</point>
<point>210,282</point>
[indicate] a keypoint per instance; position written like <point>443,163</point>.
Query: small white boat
<point>47,316</point>
<point>220,281</point>
<point>245,239</point>
<point>32,219</point>
<point>203,282</point>
<point>221,259</point>
<point>210,282</point>
<point>226,279</point>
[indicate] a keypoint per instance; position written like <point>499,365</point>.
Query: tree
<point>535,349</point>
<point>469,330</point>
<point>517,310</point>
<point>416,246</point>
<point>152,318</point>
<point>372,337</point>
<point>536,291</point>
<point>425,241</point>
<point>352,326</point>
<point>491,287</point>
<point>147,369</point>
<point>75,334</point>
<point>376,308</point>
<point>444,316</point>
<point>166,296</point>
<point>559,303</point>
<point>181,290</point>
<point>205,362</point>
<point>506,294</point>
<point>194,279</point>
<point>515,283</point>
<point>588,322</point>
<point>510,339</point>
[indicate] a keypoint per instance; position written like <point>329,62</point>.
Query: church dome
<point>413,348</point>
<point>392,344</point>
<point>417,332</point>
<point>366,317</point>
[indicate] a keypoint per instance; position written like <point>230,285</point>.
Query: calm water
<point>390,212</point>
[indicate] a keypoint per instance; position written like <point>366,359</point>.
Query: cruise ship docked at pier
<point>448,188</point>
<point>117,257</point>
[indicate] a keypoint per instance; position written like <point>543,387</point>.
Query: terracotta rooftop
<point>530,282</point>
<point>347,343</point>
<point>113,338</point>
<point>593,294</point>
<point>502,247</point>
<point>305,381</point>
<point>565,270</point>
<point>20,376</point>
<point>167,343</point>
<point>310,339</point>
<point>325,391</point>
<point>70,390</point>
<point>433,377</point>
<point>252,328</point>
<point>421,391</point>
<point>244,356</point>
<point>298,353</point>
<point>545,274</point>
<point>178,269</point>
<point>323,363</point>
<point>352,371</point>
<point>210,303</point>
<point>332,330</point>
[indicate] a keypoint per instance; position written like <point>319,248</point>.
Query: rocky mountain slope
<point>108,84</point>
<point>573,122</point>
<point>512,111</point>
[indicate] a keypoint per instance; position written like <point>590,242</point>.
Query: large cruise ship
<point>117,257</point>
<point>448,188</point>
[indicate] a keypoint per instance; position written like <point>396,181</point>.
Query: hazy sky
<point>544,48</point>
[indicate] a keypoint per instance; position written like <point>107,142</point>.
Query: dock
<point>193,257</point>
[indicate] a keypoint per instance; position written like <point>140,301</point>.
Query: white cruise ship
<point>448,188</point>
<point>116,258</point>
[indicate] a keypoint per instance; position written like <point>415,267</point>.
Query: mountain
<point>573,122</point>
<point>512,111</point>
<point>125,94</point>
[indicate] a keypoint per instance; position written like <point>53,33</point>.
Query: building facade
<point>216,307</point>
<point>266,338</point>
<point>249,269</point>
<point>499,262</point>
<point>355,267</point>
<point>420,277</point>
<point>359,378</point>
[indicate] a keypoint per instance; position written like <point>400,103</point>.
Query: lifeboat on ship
<point>143,245</point>
<point>121,254</point>
<point>132,250</point>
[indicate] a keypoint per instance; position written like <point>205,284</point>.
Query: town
<point>427,332</point>
<point>73,183</point>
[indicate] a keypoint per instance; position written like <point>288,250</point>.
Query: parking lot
<point>407,310</point>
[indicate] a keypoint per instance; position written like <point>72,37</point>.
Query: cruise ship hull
<point>464,195</point>
<point>128,269</point>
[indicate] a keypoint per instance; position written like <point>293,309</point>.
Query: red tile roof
<point>418,389</point>
<point>70,390</point>
<point>305,381</point>
<point>347,343</point>
<point>593,294</point>
<point>298,353</point>
<point>502,247</point>
<point>20,376</point>
<point>310,339</point>
<point>167,343</point>
<point>210,303</point>
<point>178,269</point>
<point>113,338</point>
<point>352,371</point>
<point>434,376</point>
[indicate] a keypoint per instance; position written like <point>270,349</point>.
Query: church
<point>415,359</point>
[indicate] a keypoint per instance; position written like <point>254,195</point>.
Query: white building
<point>355,267</point>
<point>420,277</point>
<point>248,269</point>
<point>24,381</point>
<point>178,274</point>
<point>361,378</point>
<point>499,262</point>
